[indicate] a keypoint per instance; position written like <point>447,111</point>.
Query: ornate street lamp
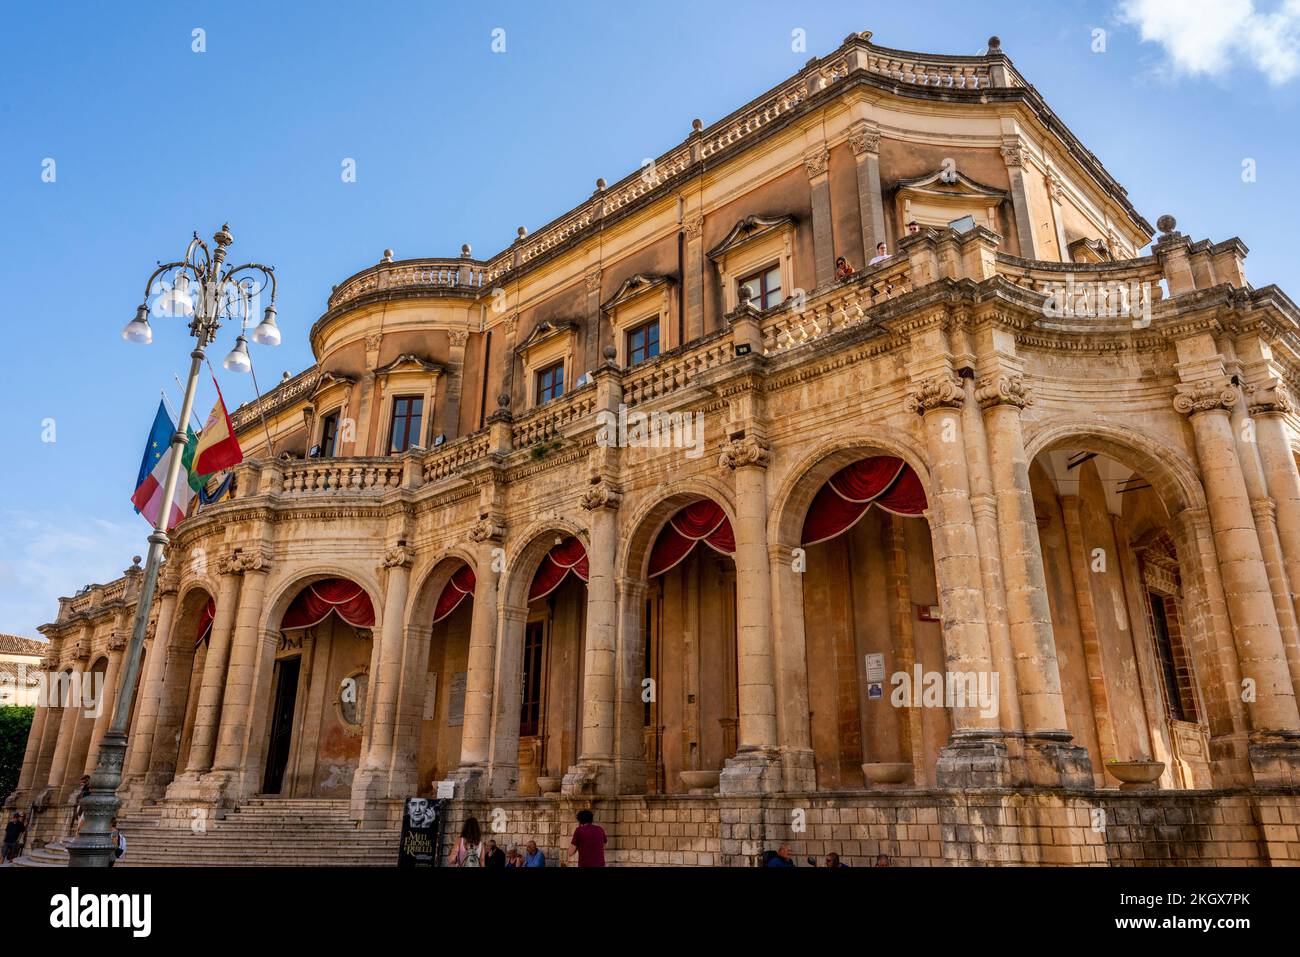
<point>222,292</point>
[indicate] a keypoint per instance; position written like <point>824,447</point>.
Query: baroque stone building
<point>657,511</point>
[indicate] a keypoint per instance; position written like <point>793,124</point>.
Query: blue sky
<point>454,143</point>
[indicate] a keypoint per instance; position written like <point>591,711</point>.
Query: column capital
<point>398,556</point>
<point>591,279</point>
<point>816,161</point>
<point>1208,395</point>
<point>255,560</point>
<point>864,137</point>
<point>601,495</point>
<point>1013,151</point>
<point>694,227</point>
<point>487,529</point>
<point>1003,389</point>
<point>1270,397</point>
<point>943,391</point>
<point>116,641</point>
<point>746,451</point>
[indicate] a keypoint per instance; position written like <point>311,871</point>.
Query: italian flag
<point>148,497</point>
<point>217,447</point>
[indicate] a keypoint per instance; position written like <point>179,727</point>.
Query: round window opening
<point>352,699</point>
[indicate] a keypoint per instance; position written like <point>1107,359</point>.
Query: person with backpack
<point>469,846</point>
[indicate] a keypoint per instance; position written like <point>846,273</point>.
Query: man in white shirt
<point>882,253</point>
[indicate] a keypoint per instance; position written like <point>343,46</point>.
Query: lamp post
<point>223,292</point>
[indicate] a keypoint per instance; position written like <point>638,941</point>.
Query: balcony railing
<point>316,476</point>
<point>434,275</point>
<point>548,422</point>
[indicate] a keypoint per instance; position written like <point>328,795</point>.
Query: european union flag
<point>160,437</point>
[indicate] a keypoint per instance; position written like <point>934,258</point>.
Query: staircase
<point>264,832</point>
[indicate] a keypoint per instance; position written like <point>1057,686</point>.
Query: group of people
<point>783,856</point>
<point>471,850</point>
<point>842,268</point>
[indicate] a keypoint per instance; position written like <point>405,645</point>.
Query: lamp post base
<point>93,846</point>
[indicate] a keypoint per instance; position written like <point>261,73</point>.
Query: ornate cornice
<point>601,494</point>
<point>748,451</point>
<point>1003,389</point>
<point>943,391</point>
<point>1208,395</point>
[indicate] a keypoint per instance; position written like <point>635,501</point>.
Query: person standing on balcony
<point>882,253</point>
<point>842,269</point>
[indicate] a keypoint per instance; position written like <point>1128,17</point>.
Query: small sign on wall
<point>875,691</point>
<point>875,667</point>
<point>431,696</point>
<point>927,613</point>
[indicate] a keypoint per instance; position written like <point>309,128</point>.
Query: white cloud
<point>46,556</point>
<point>1210,37</point>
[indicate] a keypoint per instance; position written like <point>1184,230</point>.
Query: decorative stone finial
<point>697,125</point>
<point>610,353</point>
<point>520,233</point>
<point>744,295</point>
<point>600,184</point>
<point>135,561</point>
<point>503,400</point>
<point>1166,223</point>
<point>388,255</point>
<point>466,249</point>
<point>995,45</point>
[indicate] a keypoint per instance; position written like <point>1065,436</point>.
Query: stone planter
<point>548,785</point>
<point>701,782</point>
<point>1136,775</point>
<point>887,773</point>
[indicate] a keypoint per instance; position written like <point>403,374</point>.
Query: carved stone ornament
<point>864,139</point>
<point>116,641</point>
<point>459,337</point>
<point>746,451</point>
<point>373,340</point>
<point>592,280</point>
<point>228,564</point>
<point>694,227</point>
<point>398,556</point>
<point>1208,395</point>
<point>816,162</point>
<point>601,495</point>
<point>1013,154</point>
<point>254,561</point>
<point>1003,390</point>
<point>937,392</point>
<point>485,529</point>
<point>1269,398</point>
<point>81,650</point>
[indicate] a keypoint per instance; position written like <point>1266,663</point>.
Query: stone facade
<point>1102,445</point>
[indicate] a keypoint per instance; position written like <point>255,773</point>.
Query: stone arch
<point>191,601</point>
<point>792,497</point>
<point>649,518</point>
<point>287,587</point>
<point>522,564</point>
<point>431,580</point>
<point>1169,469</point>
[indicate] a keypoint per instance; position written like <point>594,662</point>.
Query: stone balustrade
<point>549,422</point>
<point>451,458</point>
<point>844,305</point>
<point>434,275</point>
<point>674,370</point>
<point>342,475</point>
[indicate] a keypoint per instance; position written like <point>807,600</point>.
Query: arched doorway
<point>873,638</point>
<point>692,712</point>
<point>551,667</point>
<point>442,716</point>
<point>319,687</point>
<point>186,652</point>
<point>1118,587</point>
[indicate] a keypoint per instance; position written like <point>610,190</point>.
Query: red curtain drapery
<point>881,480</point>
<point>568,556</point>
<point>336,596</point>
<point>457,589</point>
<point>702,521</point>
<point>205,621</point>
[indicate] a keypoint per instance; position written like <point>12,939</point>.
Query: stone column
<point>70,712</point>
<point>49,742</point>
<point>864,139</point>
<point>756,766</point>
<point>817,162</point>
<point>693,254</point>
<point>629,747</point>
<point>1274,718</point>
<point>476,732</point>
<point>975,755</point>
<point>593,772</point>
<point>151,687</point>
<point>1013,153</point>
<point>31,754</point>
<point>237,700</point>
<point>1051,759</point>
<point>108,699</point>
<point>386,684</point>
<point>207,717</point>
<point>451,391</point>
<point>1269,404</point>
<point>790,657</point>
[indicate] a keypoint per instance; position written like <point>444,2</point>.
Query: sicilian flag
<point>157,459</point>
<point>217,448</point>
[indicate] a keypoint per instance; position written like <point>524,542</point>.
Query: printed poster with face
<point>421,833</point>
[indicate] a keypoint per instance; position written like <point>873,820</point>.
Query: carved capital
<point>399,556</point>
<point>254,561</point>
<point>601,495</point>
<point>459,337</point>
<point>1001,389</point>
<point>511,323</point>
<point>1269,398</point>
<point>81,650</point>
<point>1055,186</point>
<point>816,162</point>
<point>228,564</point>
<point>694,228</point>
<point>592,280</point>
<point>116,641</point>
<point>864,139</point>
<point>1208,395</point>
<point>943,391</point>
<point>486,530</point>
<point>742,452</point>
<point>50,662</point>
<point>1013,153</point>
<point>373,340</point>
